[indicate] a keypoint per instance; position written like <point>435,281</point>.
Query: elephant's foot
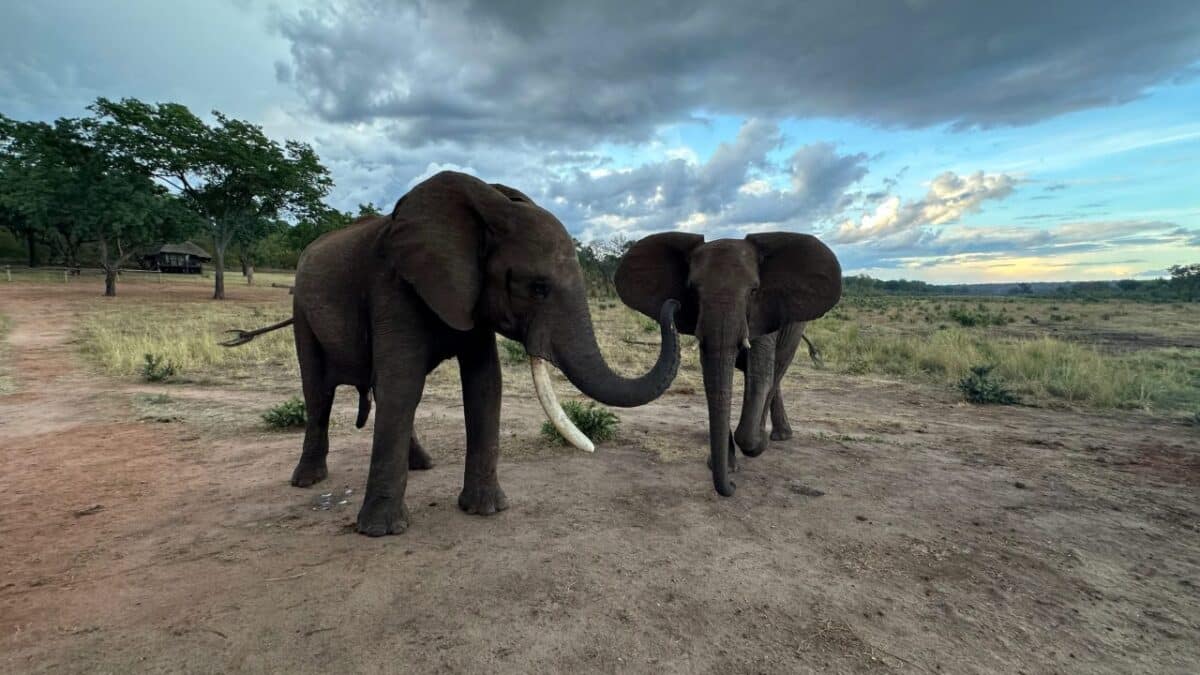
<point>418,459</point>
<point>483,500</point>
<point>781,433</point>
<point>309,473</point>
<point>382,515</point>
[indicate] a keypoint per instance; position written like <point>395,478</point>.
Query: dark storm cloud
<point>577,72</point>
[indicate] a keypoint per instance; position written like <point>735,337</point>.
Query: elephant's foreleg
<point>750,434</point>
<point>397,394</point>
<point>781,429</point>
<point>479,367</point>
<point>785,351</point>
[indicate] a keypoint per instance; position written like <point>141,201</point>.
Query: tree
<point>229,173</point>
<point>1185,280</point>
<point>66,183</point>
<point>18,176</point>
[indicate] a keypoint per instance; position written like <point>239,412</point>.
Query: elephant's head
<point>486,256</point>
<point>731,291</point>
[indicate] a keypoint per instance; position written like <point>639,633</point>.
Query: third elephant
<point>746,301</point>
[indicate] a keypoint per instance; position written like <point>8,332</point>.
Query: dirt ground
<point>900,530</point>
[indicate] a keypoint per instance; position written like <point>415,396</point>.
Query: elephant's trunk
<point>717,366</point>
<point>577,354</point>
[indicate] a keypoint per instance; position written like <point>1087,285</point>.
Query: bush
<point>286,415</point>
<point>157,368</point>
<point>597,423</point>
<point>983,387</point>
<point>513,352</point>
<point>979,317</point>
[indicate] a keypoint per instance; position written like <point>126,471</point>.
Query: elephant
<point>379,304</point>
<point>747,302</point>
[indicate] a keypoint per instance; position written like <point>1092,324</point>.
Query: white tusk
<point>746,343</point>
<point>554,412</point>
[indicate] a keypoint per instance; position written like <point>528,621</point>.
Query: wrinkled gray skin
<point>381,303</point>
<point>760,289</point>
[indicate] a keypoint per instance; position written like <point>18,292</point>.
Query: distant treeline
<point>1182,285</point>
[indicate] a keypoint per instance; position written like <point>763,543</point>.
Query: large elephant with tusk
<point>381,303</point>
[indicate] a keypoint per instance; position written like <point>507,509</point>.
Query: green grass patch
<point>596,422</point>
<point>287,415</point>
<point>981,386</point>
<point>157,368</point>
<point>512,352</point>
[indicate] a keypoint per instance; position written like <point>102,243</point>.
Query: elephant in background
<point>379,304</point>
<point>747,302</point>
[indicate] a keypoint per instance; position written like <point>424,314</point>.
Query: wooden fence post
<point>159,273</point>
<point>8,272</point>
<point>66,276</point>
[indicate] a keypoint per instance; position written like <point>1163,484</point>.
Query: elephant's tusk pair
<point>554,412</point>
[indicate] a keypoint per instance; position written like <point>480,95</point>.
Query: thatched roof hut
<point>184,258</point>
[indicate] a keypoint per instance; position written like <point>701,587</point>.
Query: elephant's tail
<point>241,337</point>
<point>364,407</point>
<point>813,352</point>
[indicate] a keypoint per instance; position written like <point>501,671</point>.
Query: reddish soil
<point>899,530</point>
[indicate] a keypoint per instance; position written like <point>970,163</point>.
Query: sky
<point>947,141</point>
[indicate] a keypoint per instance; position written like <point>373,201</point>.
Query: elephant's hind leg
<point>318,401</point>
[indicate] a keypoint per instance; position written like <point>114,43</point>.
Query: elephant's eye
<point>539,288</point>
<point>754,290</point>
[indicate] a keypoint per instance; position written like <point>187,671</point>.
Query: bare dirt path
<point>948,538</point>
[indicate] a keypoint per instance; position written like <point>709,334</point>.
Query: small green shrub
<point>647,324</point>
<point>983,387</point>
<point>979,317</point>
<point>597,423</point>
<point>513,352</point>
<point>286,415</point>
<point>157,368</point>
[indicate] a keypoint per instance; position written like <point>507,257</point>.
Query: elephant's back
<point>332,281</point>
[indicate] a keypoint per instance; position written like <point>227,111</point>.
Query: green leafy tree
<point>228,173</point>
<point>1185,280</point>
<point>20,175</point>
<point>73,186</point>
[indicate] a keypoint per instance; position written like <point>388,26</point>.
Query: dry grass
<point>118,338</point>
<point>904,338</point>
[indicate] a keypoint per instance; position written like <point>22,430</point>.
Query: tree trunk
<point>110,283</point>
<point>249,272</point>
<point>29,241</point>
<point>219,270</point>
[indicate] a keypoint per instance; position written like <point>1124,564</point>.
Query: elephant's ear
<point>433,240</point>
<point>799,280</point>
<point>655,270</point>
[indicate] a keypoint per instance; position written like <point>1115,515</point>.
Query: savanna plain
<point>147,523</point>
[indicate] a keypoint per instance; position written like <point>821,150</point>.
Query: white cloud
<point>949,198</point>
